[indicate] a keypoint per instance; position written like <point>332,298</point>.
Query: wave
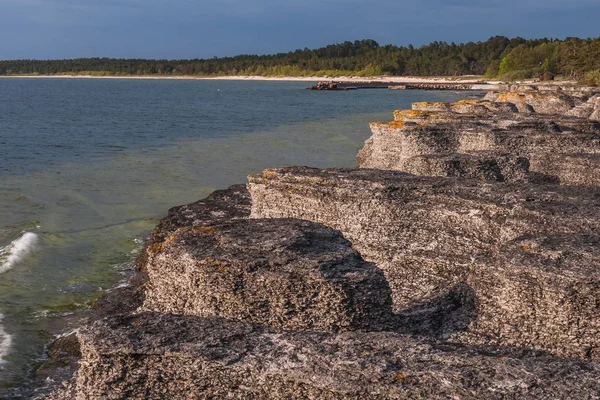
<point>17,250</point>
<point>5,342</point>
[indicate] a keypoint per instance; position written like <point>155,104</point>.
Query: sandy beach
<point>395,79</point>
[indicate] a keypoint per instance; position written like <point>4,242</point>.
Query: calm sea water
<point>88,167</point>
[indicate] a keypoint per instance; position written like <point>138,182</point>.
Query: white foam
<point>5,342</point>
<point>17,250</point>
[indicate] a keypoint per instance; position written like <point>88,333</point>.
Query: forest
<point>498,57</point>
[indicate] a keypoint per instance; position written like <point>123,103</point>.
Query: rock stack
<point>460,260</point>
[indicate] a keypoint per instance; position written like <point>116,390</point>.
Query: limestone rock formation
<point>451,264</point>
<point>430,234</point>
<point>153,356</point>
<point>287,274</point>
<point>590,109</point>
<point>221,205</point>
<point>479,139</point>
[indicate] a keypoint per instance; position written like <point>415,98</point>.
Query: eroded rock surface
<point>287,274</point>
<point>157,356</point>
<point>430,234</point>
<point>478,279</point>
<point>221,205</point>
<point>473,139</point>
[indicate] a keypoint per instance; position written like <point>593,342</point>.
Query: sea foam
<point>17,250</point>
<point>5,342</point>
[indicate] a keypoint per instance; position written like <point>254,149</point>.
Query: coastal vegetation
<point>498,57</point>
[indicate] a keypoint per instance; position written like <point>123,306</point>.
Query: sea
<point>89,166</point>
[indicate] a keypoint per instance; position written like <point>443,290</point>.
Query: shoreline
<point>393,79</point>
<point>222,223</point>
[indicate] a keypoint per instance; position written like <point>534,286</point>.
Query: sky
<point>175,29</point>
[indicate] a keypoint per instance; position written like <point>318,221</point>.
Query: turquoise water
<point>89,166</point>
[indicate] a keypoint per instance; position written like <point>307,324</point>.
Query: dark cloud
<point>187,28</point>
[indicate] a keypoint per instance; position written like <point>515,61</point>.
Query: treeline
<point>498,57</point>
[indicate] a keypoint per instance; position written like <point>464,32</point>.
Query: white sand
<point>395,79</point>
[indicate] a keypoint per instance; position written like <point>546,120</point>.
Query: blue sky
<point>200,29</point>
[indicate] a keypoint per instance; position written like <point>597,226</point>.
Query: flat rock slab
<point>221,205</point>
<point>429,234</point>
<point>484,166</point>
<point>166,356</point>
<point>284,273</point>
<point>547,287</point>
<point>415,137</point>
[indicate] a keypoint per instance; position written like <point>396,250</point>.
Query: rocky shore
<point>460,260</point>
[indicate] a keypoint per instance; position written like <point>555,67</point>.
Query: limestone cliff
<point>519,136</point>
<point>461,260</point>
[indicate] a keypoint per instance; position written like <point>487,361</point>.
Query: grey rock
<point>539,102</point>
<point>288,274</point>
<point>562,149</point>
<point>181,357</point>
<point>479,165</point>
<point>221,205</point>
<point>429,234</point>
<point>590,109</point>
<point>452,285</point>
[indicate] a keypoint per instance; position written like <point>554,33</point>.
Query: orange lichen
<point>396,124</point>
<point>403,114</point>
<point>400,377</point>
<point>510,97</point>
<point>157,248</point>
<point>204,229</point>
<point>219,265</point>
<point>471,102</point>
<point>378,124</point>
<point>432,105</point>
<point>269,174</point>
<point>526,248</point>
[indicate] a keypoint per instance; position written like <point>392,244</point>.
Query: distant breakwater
<point>349,85</point>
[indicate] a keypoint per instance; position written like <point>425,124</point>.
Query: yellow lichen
<point>204,229</point>
<point>510,97</point>
<point>157,248</point>
<point>404,114</point>
<point>396,124</point>
<point>219,265</point>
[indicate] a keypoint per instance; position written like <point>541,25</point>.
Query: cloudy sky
<point>201,29</point>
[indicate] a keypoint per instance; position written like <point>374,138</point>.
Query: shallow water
<point>88,167</point>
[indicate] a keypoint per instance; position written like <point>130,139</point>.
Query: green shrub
<point>592,78</point>
<point>519,75</point>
